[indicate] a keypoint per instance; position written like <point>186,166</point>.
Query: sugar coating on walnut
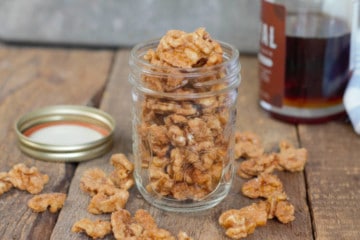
<point>186,50</point>
<point>103,202</point>
<point>29,179</point>
<point>122,176</point>
<point>254,166</point>
<point>183,236</point>
<point>278,205</point>
<point>95,180</point>
<point>94,229</point>
<point>265,185</point>
<point>239,223</point>
<point>248,145</point>
<point>290,158</point>
<point>285,212</point>
<point>5,183</point>
<point>52,201</point>
<point>141,226</point>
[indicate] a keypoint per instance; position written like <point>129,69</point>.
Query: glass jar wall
<point>183,130</point>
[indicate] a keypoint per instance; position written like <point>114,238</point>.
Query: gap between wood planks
<point>308,202</point>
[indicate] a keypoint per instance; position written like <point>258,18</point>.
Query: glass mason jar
<point>304,58</point>
<point>183,130</point>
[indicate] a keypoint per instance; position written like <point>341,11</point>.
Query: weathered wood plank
<point>31,78</point>
<point>333,176</point>
<point>203,225</point>
<point>117,102</point>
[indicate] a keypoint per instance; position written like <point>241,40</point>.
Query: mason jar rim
<point>151,44</point>
<point>140,66</point>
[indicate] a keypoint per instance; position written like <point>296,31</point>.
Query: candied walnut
<point>290,158</point>
<point>214,124</point>
<point>94,181</point>
<point>158,234</point>
<point>94,229</point>
<point>183,236</point>
<point>119,222</point>
<point>155,140</point>
<point>247,145</point>
<point>141,226</point>
<point>106,203</point>
<point>181,191</point>
<point>161,186</point>
<point>53,201</point>
<point>272,202</point>
<point>242,229</point>
<point>264,186</point>
<point>120,161</point>
<point>122,175</point>
<point>177,136</point>
<point>187,109</point>
<point>203,180</point>
<point>151,231</point>
<point>157,135</point>
<point>186,50</point>
<point>175,119</point>
<point>161,107</point>
<point>239,223</point>
<point>143,218</point>
<point>285,212</point>
<point>199,129</point>
<point>216,171</point>
<point>255,166</point>
<point>178,164</point>
<point>29,179</point>
<point>5,184</point>
<point>209,105</point>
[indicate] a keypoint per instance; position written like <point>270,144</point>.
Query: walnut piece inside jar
<point>184,142</point>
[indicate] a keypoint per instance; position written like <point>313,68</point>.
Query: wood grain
<point>202,225</point>
<point>117,102</point>
<point>31,78</point>
<point>333,176</point>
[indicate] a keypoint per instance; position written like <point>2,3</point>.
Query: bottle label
<point>272,53</point>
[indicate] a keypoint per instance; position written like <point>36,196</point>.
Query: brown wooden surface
<point>326,196</point>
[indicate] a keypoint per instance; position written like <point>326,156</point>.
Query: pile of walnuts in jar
<point>184,137</point>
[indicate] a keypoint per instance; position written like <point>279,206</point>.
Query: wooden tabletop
<point>326,195</point>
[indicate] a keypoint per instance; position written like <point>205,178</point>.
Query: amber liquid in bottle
<point>317,64</point>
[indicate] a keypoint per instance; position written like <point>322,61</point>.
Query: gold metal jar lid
<point>65,133</point>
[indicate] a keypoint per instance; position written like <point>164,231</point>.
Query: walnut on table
<point>53,201</point>
<point>29,179</point>
<point>239,223</point>
<point>254,166</point>
<point>141,226</point>
<point>265,185</point>
<point>122,176</point>
<point>94,180</point>
<point>183,236</point>
<point>5,183</point>
<point>290,158</point>
<point>280,207</point>
<point>94,229</point>
<point>248,145</point>
<point>104,202</point>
